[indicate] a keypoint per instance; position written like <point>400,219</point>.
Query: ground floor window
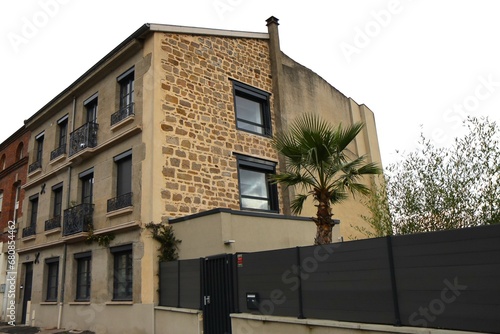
<point>122,272</point>
<point>52,279</point>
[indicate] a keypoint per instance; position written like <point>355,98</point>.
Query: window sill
<point>57,159</point>
<point>123,122</point>
<point>31,237</point>
<point>48,303</point>
<point>78,303</point>
<point>35,172</point>
<point>118,302</point>
<point>53,231</point>
<point>119,212</point>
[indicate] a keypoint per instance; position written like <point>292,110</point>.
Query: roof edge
<point>145,28</point>
<point>206,31</point>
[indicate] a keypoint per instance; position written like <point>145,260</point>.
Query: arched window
<point>2,162</point>
<point>20,151</point>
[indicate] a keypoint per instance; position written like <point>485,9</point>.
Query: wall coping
<point>241,213</point>
<point>346,325</point>
<point>178,310</point>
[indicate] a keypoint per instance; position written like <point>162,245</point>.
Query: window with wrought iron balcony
<point>86,135</point>
<point>37,164</point>
<point>79,218</point>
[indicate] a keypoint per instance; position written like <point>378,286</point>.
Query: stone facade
<point>201,137</point>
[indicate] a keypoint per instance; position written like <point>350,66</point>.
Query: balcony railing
<point>120,202</point>
<point>78,219</point>
<point>29,230</point>
<point>34,166</point>
<point>83,137</point>
<point>58,152</point>
<point>53,223</point>
<point>122,114</point>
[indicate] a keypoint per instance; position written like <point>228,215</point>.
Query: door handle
<point>206,300</point>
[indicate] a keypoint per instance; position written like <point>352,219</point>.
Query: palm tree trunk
<point>323,222</point>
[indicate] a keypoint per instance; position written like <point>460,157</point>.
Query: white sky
<point>414,63</point>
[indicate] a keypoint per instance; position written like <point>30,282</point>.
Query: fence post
<point>299,276</point>
<point>178,283</point>
<point>395,298</point>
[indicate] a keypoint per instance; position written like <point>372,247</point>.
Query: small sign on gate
<point>239,259</point>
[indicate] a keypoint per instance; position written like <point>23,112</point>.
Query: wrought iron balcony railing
<point>29,230</point>
<point>34,166</point>
<point>83,137</point>
<point>122,114</point>
<point>78,219</point>
<point>120,202</point>
<point>58,152</point>
<point>53,223</point>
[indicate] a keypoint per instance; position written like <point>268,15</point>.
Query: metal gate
<point>218,297</point>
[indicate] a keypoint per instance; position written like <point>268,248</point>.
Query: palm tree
<point>316,160</point>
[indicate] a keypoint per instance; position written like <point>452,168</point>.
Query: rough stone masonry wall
<point>200,168</point>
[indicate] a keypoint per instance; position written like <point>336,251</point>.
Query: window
<point>83,278</point>
<point>57,193</point>
<point>63,131</point>
<point>122,272</point>
<point>34,209</point>
<point>2,162</point>
<point>1,201</point>
<point>123,182</point>
<point>17,194</point>
<point>20,151</point>
<point>256,191</point>
<point>91,107</point>
<point>39,147</point>
<point>252,109</point>
<point>87,183</point>
<point>52,278</point>
<point>126,81</point>
<point>123,173</point>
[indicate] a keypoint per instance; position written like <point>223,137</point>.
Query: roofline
<point>141,32</point>
<point>206,31</point>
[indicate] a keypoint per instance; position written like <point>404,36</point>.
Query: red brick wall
<point>13,172</point>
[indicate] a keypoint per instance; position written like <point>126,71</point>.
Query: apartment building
<point>13,171</point>
<point>173,125</point>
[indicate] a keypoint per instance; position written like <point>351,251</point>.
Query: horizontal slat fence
<point>448,279</point>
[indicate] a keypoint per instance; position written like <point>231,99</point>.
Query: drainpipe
<point>68,202</point>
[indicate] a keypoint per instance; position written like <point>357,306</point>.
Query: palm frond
<point>298,203</point>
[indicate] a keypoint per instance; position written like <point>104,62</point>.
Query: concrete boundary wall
<point>244,323</point>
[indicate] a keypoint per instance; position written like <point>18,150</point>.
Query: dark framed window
<point>87,183</point>
<point>256,191</point>
<point>57,193</point>
<point>126,82</point>
<point>122,272</point>
<point>252,109</point>
<point>39,147</point>
<point>63,131</point>
<point>91,108</point>
<point>123,173</point>
<point>52,279</point>
<point>33,210</point>
<point>83,276</point>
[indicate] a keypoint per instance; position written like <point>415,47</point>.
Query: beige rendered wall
<point>306,92</point>
<point>205,236</point>
<point>169,320</point>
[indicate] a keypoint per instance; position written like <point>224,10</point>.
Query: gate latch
<point>206,300</point>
